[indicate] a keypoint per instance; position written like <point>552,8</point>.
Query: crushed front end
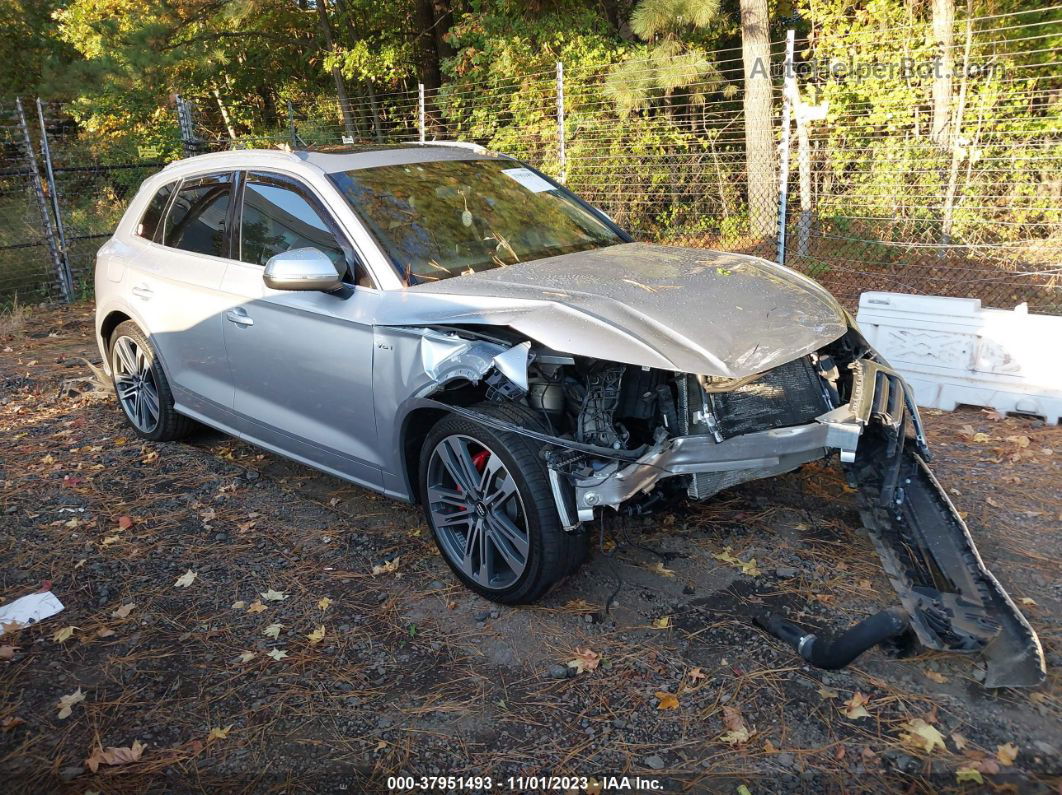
<point>622,437</point>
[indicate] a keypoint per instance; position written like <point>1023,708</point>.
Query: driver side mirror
<point>302,269</point>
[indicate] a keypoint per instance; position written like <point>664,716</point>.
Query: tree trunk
<point>341,90</point>
<point>944,40</point>
<point>759,140</point>
<point>424,45</point>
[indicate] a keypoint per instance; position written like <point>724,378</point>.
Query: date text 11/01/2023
<point>526,783</point>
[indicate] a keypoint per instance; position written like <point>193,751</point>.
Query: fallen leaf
<point>277,654</point>
<point>696,673</point>
<point>185,579</point>
<point>208,515</point>
<point>63,635</point>
<point>108,540</point>
<point>964,774</point>
<point>663,622</point>
<point>661,569</point>
<point>256,606</point>
<point>273,631</point>
<point>993,502</point>
<point>219,734</point>
<point>747,567</point>
<point>115,756</point>
<point>827,692</point>
<point>247,656</point>
<point>666,700</point>
<point>387,568</point>
<point>125,522</point>
<point>8,652</point>
<point>922,735</point>
<point>585,660</point>
<point>274,596</point>
<point>67,703</point>
<point>959,740</point>
<point>9,723</point>
<point>737,732</point>
<point>124,611</point>
<point>324,603</point>
<point>1006,753</point>
<point>104,632</point>
<point>317,635</point>
<point>939,678</point>
<point>1025,600</point>
<point>855,707</point>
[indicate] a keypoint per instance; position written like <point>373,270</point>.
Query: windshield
<point>449,217</point>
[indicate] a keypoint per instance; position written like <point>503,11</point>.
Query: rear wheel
<point>142,389</point>
<point>487,499</point>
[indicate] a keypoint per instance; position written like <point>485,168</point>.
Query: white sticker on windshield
<point>529,179</point>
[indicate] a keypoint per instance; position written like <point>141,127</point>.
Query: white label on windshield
<point>529,179</point>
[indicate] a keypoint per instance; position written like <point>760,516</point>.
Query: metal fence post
<point>66,288</point>
<point>420,107</point>
<point>187,126</point>
<point>53,191</point>
<point>292,135</point>
<point>783,160</point>
<point>562,155</point>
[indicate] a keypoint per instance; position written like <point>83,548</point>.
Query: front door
<point>301,362</point>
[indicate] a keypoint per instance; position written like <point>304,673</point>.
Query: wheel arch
<point>113,319</point>
<point>415,428</point>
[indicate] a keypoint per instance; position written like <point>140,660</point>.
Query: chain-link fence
<point>893,161</point>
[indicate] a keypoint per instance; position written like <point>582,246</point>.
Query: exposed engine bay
<point>628,438</point>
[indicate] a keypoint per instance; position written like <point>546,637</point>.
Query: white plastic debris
<point>30,609</point>
<point>953,351</point>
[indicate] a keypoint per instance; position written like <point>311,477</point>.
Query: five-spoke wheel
<point>135,384</point>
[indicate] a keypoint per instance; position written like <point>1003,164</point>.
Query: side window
<point>152,218</point>
<point>196,220</point>
<point>277,217</point>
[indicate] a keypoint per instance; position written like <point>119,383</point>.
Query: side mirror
<point>302,269</point>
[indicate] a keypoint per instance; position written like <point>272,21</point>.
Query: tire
<point>505,464</point>
<point>142,389</point>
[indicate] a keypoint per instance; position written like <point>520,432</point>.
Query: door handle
<point>142,291</point>
<point>239,317</point>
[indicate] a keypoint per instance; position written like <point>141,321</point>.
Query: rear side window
<point>196,220</point>
<point>152,218</point>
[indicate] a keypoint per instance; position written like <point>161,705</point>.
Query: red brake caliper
<point>479,460</point>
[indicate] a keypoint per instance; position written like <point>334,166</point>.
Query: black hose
<point>840,651</point>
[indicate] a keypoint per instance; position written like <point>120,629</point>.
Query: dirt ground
<point>403,672</point>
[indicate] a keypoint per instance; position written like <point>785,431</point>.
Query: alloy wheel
<point>135,384</point>
<point>478,514</point>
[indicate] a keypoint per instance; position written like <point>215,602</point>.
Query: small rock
<point>1045,748</point>
<point>619,723</point>
<point>784,759</point>
<point>251,474</point>
<point>436,585</point>
<point>785,572</point>
<point>558,671</point>
<point>494,614</point>
<point>655,762</point>
<point>483,616</point>
<point>71,772</point>
<point>221,536</point>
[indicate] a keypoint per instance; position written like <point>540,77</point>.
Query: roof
<point>348,159</point>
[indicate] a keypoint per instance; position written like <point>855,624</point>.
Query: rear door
<point>301,362</point>
<point>175,287</point>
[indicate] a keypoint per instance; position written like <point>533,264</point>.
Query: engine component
<point>791,394</point>
<point>595,423</point>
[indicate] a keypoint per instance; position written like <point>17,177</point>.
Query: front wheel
<point>487,500</point>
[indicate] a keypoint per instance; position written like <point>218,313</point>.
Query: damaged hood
<point>687,310</point>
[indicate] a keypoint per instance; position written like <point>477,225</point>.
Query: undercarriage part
<point>838,652</point>
<point>791,394</point>
<point>595,422</point>
<point>954,602</point>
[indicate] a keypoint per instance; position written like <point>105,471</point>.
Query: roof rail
<point>479,150</point>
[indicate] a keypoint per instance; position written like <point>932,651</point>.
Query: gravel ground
<point>402,672</point>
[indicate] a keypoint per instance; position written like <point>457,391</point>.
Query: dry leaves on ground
<point>737,733</point>
<point>68,702</point>
<point>115,756</point>
<point>585,660</point>
<point>855,707</point>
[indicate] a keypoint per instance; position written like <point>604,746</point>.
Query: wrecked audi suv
<point>450,327</point>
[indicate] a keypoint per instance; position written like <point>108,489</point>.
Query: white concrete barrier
<point>952,351</point>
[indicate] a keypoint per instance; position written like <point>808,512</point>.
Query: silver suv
<point>449,326</point>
